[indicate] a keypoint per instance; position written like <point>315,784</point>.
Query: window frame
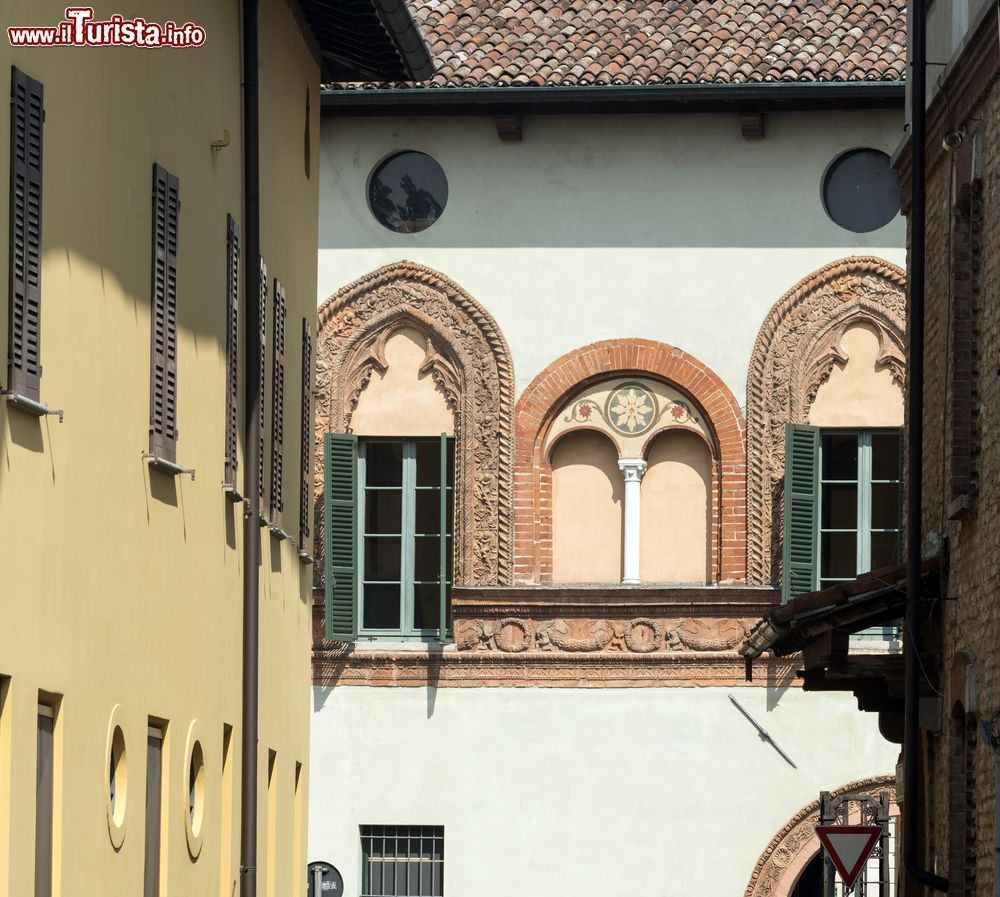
<point>863,515</point>
<point>407,631</point>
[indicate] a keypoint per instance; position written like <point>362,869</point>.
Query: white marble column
<point>632,469</point>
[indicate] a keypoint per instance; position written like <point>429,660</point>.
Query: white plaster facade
<point>561,792</point>
<point>672,228</point>
<point>669,227</point>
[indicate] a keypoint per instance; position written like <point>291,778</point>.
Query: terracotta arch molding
<point>469,360</point>
<point>796,349</point>
<point>780,865</point>
<point>555,385</point>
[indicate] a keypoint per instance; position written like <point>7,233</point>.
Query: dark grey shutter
<point>262,365</point>
<point>305,481</point>
<point>278,405</point>
<point>340,513</point>
<point>24,367</point>
<point>800,555</point>
<point>163,342</point>
<point>232,348</point>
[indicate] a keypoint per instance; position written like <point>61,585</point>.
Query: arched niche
<point>682,385</point>
<point>466,357</point>
<point>587,502</point>
<point>798,350</point>
<point>676,514</point>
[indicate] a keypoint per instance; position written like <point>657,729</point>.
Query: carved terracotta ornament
<point>469,360</point>
<point>778,869</point>
<point>797,347</point>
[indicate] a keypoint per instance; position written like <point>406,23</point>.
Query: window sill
<point>30,406</point>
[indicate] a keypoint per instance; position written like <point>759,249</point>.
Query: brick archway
<point>554,386</point>
<point>778,868</point>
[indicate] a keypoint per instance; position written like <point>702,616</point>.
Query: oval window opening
<point>861,191</point>
<point>408,192</point>
<point>117,777</point>
<point>196,789</point>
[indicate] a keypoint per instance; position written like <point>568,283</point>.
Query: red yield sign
<point>849,846</point>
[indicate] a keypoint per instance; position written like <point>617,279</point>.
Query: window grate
<point>402,861</point>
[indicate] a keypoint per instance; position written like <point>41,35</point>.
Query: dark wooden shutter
<point>263,391</point>
<point>24,366</point>
<point>163,342</point>
<point>305,481</point>
<point>232,348</point>
<point>800,557</point>
<point>278,404</point>
<point>340,510</point>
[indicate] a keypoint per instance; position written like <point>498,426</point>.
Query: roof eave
<point>759,96</point>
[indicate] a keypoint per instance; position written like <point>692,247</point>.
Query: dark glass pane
<point>428,511</point>
<point>400,879</point>
<point>426,558</point>
<point>885,506</point>
<point>382,558</point>
<point>384,464</point>
<point>861,191</point>
<point>408,192</point>
<point>428,463</point>
<point>426,606</point>
<point>425,878</point>
<point>375,886</point>
<point>838,556</point>
<point>885,550</point>
<point>840,456</point>
<point>840,507</point>
<point>383,511</point>
<point>886,457</point>
<point>381,612</point>
<point>438,853</point>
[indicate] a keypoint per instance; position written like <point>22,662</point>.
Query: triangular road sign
<point>849,846</point>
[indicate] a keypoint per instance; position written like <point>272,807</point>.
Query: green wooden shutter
<point>340,512</point>
<point>305,440</point>
<point>24,366</point>
<point>800,557</point>
<point>278,406</point>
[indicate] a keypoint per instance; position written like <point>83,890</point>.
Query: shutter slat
<point>801,498</point>
<point>340,460</point>
<point>232,349</point>
<point>278,405</point>
<point>305,437</point>
<point>163,316</point>
<point>24,368</point>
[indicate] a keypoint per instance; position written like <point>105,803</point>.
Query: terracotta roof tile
<point>571,42</point>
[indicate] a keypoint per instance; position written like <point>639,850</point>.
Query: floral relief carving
<point>797,348</point>
<point>470,364</point>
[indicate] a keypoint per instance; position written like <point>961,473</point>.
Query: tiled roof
<point>540,43</point>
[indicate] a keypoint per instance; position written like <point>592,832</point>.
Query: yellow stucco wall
<point>121,586</point>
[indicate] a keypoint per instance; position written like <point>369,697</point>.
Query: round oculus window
<point>408,192</point>
<point>861,191</point>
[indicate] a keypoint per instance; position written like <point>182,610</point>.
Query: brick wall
<point>970,613</point>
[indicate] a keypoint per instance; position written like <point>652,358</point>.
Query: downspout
<point>251,485</point>
<point>914,447</point>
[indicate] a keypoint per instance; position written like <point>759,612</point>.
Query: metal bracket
<point>305,557</point>
<point>763,732</point>
<point>277,532</point>
<point>166,466</point>
<point>231,493</point>
<point>29,405</point>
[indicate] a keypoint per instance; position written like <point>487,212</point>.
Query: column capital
<point>632,469</point>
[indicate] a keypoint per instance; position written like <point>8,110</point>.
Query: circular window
<point>861,191</point>
<point>116,783</point>
<point>407,192</point>
<point>196,788</point>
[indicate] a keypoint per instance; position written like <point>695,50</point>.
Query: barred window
<point>402,860</point>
